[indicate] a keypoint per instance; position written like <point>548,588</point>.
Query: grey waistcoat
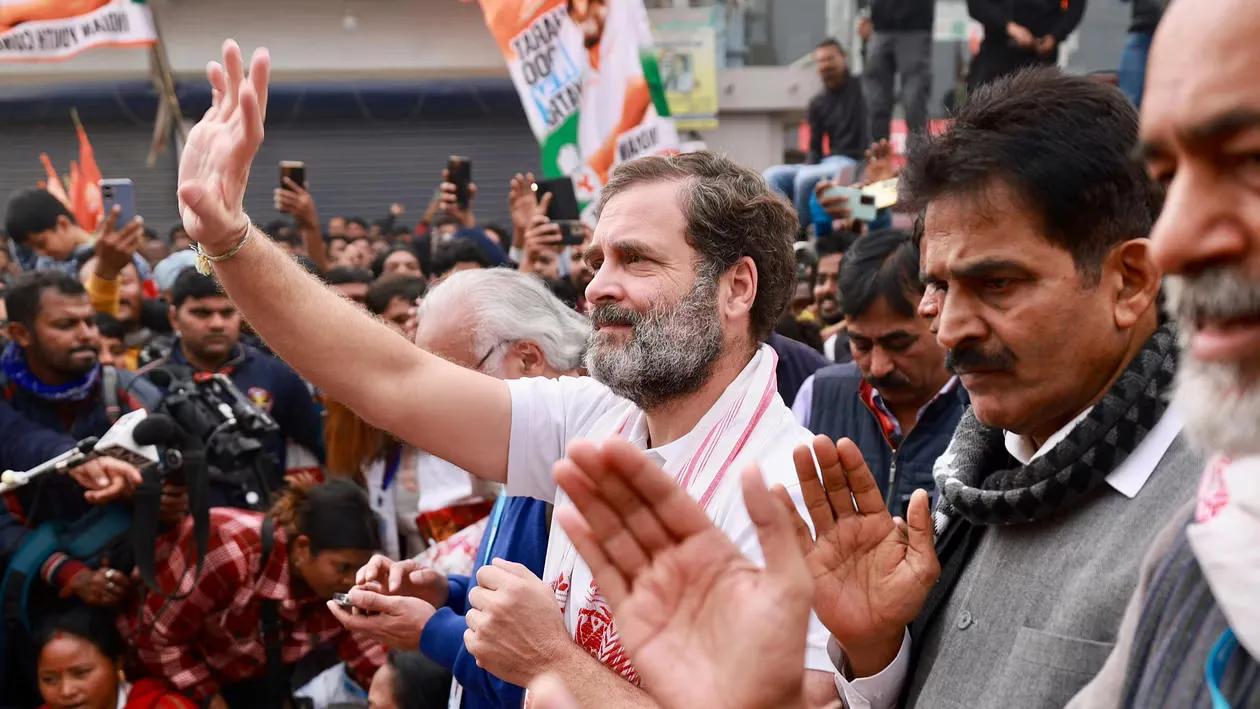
<point>1035,611</point>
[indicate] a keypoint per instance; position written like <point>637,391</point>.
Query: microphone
<point>80,454</point>
<point>157,428</point>
<point>118,442</point>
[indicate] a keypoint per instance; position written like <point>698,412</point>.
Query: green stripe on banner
<point>652,74</point>
<point>564,135</point>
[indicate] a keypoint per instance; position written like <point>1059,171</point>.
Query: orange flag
<point>53,183</point>
<point>86,194</point>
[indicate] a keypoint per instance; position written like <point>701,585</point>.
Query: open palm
<point>699,619</point>
<point>871,573</point>
<point>214,166</point>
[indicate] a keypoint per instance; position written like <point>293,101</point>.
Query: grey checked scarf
<point>976,482</point>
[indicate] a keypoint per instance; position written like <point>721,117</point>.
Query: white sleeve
<point>879,691</point>
<point>804,401</point>
<point>546,415</point>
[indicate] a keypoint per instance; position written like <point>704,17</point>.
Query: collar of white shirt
<point>1132,473</point>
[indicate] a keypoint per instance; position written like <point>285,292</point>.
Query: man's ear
<point>20,334</point>
<point>1133,279</point>
<point>533,361</point>
<point>741,290</point>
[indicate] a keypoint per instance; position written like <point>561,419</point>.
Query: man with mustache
<point>51,376</point>
<point>1066,464</point>
<point>693,266</point>
<point>208,341</point>
<point>1191,635</point>
<point>896,400</point>
<point>1040,283</point>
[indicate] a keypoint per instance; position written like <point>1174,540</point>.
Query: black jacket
<point>1041,17</point>
<point>1146,14</point>
<point>840,115</point>
<point>902,15</point>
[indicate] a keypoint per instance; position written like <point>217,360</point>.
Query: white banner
<point>49,30</point>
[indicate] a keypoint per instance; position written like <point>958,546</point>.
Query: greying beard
<point>670,351</point>
<point>1221,408</point>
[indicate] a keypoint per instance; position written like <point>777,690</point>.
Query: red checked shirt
<point>213,637</point>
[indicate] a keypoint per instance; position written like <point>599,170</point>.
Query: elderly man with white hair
<point>508,325</point>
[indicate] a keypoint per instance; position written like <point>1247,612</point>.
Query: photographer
<point>208,340</point>
<point>211,644</point>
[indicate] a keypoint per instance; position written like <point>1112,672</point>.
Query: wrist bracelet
<point>204,259</point>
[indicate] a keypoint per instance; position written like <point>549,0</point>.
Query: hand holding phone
<point>459,174</point>
<point>120,192</point>
<point>294,170</point>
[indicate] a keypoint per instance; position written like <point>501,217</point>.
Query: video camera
<point>205,420</point>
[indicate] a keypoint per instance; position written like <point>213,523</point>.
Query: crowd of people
<point>736,448</point>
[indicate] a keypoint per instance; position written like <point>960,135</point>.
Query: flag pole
<point>169,116</point>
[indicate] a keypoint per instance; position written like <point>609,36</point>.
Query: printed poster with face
<point>587,74</point>
<point>50,30</point>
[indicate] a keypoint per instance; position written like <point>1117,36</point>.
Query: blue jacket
<point>23,446</point>
<point>58,496</point>
<point>837,411</point>
<point>521,537</point>
<point>275,388</point>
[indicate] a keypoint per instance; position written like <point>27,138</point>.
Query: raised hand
<point>214,169</point>
<point>448,200</point>
<point>522,204</point>
<point>699,619</point>
<point>835,205</point>
<point>871,573</point>
<point>543,235</point>
<point>116,247</point>
<point>296,200</point>
<point>879,162</point>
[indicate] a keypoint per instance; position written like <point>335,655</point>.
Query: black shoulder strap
<point>273,641</point>
<point>109,394</point>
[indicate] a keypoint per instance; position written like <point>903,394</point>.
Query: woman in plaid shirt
<point>208,644</point>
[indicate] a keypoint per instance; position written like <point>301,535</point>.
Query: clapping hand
<point>872,573</point>
<point>679,588</point>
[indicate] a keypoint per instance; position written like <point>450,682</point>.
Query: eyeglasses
<point>490,352</point>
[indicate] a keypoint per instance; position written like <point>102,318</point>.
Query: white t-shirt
<point>547,414</point>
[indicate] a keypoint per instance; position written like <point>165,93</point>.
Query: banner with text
<point>588,78</point>
<point>44,30</point>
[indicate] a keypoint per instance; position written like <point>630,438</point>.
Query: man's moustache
<point>889,382</point>
<point>971,358</point>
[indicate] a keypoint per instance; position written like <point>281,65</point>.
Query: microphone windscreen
<point>155,429</point>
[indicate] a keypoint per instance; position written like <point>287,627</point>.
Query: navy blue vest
<point>837,411</point>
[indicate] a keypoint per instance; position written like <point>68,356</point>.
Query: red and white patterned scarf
<point>705,462</point>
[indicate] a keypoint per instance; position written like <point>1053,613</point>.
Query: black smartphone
<point>572,231</point>
<point>294,170</point>
<point>459,173</point>
<point>564,204</point>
